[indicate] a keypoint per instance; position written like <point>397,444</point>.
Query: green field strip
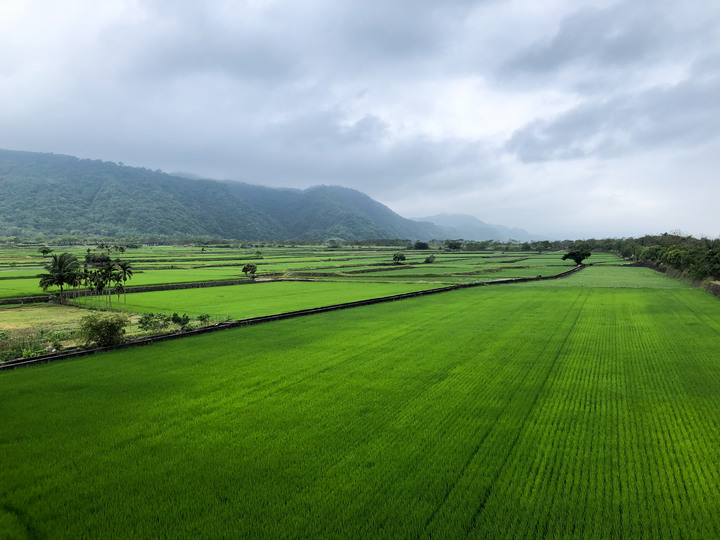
<point>531,271</point>
<point>15,274</point>
<point>20,287</point>
<point>615,277</point>
<point>258,299</point>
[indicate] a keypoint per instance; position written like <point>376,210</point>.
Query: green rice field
<point>576,408</point>
<point>160,265</point>
<point>252,300</point>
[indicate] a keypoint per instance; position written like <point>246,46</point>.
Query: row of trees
<point>699,259</point>
<point>101,274</point>
<point>696,258</point>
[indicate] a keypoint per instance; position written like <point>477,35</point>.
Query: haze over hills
<point>55,195</point>
<point>470,228</point>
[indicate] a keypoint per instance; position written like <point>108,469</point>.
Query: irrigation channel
<point>24,362</point>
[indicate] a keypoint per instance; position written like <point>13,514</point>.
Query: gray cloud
<point>508,111</point>
<point>615,36</point>
<point>682,115</point>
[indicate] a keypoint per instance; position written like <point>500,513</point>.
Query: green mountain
<point>48,194</point>
<point>332,212</point>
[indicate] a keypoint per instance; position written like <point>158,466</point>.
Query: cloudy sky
<point>568,118</point>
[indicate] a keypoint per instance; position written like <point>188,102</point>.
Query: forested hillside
<point>333,211</point>
<point>48,194</point>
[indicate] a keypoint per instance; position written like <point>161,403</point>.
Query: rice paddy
<point>584,407</point>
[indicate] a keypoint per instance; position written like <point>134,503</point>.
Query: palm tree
<point>76,281</point>
<point>125,272</point>
<point>99,287</point>
<point>107,275</point>
<point>61,270</point>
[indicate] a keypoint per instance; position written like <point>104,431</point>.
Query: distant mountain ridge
<point>48,194</point>
<point>57,195</point>
<point>470,228</point>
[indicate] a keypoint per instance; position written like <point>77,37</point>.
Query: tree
<point>45,251</point>
<point>181,320</point>
<point>421,245</point>
<point>102,330</point>
<point>125,273</point>
<point>578,255</point>
<point>398,257</point>
<point>153,322</point>
<point>93,274</point>
<point>62,270</point>
<point>107,275</point>
<point>250,268</point>
<point>453,245</point>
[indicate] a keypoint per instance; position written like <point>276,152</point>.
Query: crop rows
<point>516,411</point>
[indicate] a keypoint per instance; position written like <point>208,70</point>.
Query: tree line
<point>697,258</point>
<point>100,273</point>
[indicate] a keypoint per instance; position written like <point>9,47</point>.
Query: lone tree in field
<point>249,268</point>
<point>578,256</point>
<point>398,257</point>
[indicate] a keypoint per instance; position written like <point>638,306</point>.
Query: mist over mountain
<point>470,228</point>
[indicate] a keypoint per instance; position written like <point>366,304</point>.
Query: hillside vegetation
<point>55,195</point>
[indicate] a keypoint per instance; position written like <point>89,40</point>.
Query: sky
<point>566,118</point>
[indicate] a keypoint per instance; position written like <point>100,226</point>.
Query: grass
<point>510,411</point>
<point>16,319</point>
<point>617,277</point>
<point>165,265</point>
<point>241,301</point>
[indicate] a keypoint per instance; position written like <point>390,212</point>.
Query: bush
<point>181,320</point>
<point>150,322</point>
<point>430,259</point>
<point>103,330</point>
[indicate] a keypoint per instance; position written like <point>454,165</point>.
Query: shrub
<point>103,330</point>
<point>430,259</point>
<point>150,322</point>
<point>181,320</point>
